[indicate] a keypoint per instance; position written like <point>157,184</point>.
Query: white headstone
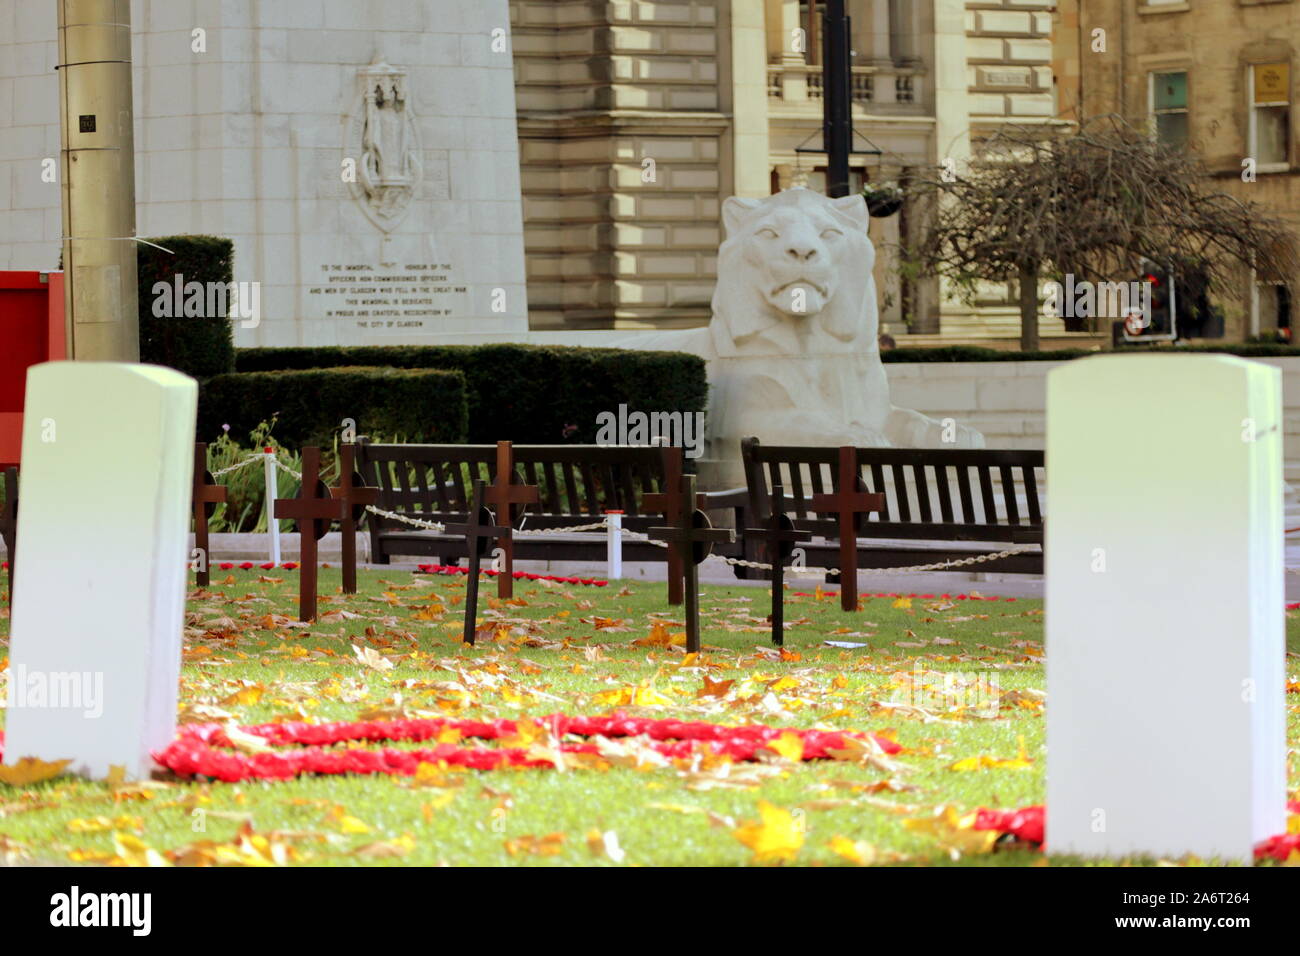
<point>1164,598</point>
<point>99,597</point>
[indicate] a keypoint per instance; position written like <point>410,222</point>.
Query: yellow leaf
<point>861,852</point>
<point>30,770</point>
<point>248,743</point>
<point>777,838</point>
<point>401,846</point>
<point>953,831</point>
<point>132,851</point>
<point>371,658</point>
<point>244,697</point>
<point>552,844</point>
<point>338,814</point>
<point>789,745</point>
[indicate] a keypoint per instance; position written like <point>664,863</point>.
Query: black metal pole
<point>837,115</point>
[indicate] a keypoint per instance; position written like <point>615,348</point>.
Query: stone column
<point>751,166</point>
<point>951,120</point>
<point>872,34</point>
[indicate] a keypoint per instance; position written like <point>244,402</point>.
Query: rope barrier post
<point>272,492</point>
<point>614,545</point>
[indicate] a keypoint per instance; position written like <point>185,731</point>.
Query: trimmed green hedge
<point>196,345</point>
<point>973,353</point>
<point>416,405</point>
<point>529,394</point>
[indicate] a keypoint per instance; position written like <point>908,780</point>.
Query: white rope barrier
<point>236,466</point>
<point>406,519</point>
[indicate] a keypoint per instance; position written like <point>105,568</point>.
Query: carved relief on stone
<point>385,141</point>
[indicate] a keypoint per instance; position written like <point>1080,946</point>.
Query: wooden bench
<point>578,485</point>
<point>983,500</point>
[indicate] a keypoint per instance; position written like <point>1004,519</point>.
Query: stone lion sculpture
<point>792,346</point>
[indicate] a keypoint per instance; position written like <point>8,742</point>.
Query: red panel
<point>31,332</point>
<point>24,332</point>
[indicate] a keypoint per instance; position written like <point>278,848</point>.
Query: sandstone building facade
<point>1216,75</point>
<point>637,117</point>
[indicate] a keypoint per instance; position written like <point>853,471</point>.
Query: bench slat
<point>922,492</point>
<point>1009,495</point>
<point>900,491</point>
<point>945,493</point>
<point>878,486</point>
<point>796,483</point>
<point>986,493</point>
<point>1031,495</point>
<point>967,502</point>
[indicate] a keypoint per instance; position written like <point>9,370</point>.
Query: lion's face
<point>797,253</point>
<point>797,259</point>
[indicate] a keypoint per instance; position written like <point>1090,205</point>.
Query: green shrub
<point>245,506</point>
<point>310,405</point>
<point>196,345</point>
<point>529,394</point>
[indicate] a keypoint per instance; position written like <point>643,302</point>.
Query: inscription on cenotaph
<point>389,297</point>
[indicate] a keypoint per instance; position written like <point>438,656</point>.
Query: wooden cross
<point>315,511</point>
<point>780,536</point>
<point>355,495</point>
<point>691,537</point>
<point>505,494</point>
<point>669,504</point>
<point>206,496</point>
<point>479,530</point>
<point>848,502</point>
<point>9,523</point>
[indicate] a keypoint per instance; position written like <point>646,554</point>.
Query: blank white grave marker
<point>1165,606</point>
<point>99,600</point>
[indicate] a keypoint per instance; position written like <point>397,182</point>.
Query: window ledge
<point>1148,8</point>
<point>1264,168</point>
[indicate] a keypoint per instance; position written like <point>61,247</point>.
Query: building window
<point>1169,107</point>
<point>1269,88</point>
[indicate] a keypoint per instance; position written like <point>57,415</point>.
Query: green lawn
<point>574,650</point>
